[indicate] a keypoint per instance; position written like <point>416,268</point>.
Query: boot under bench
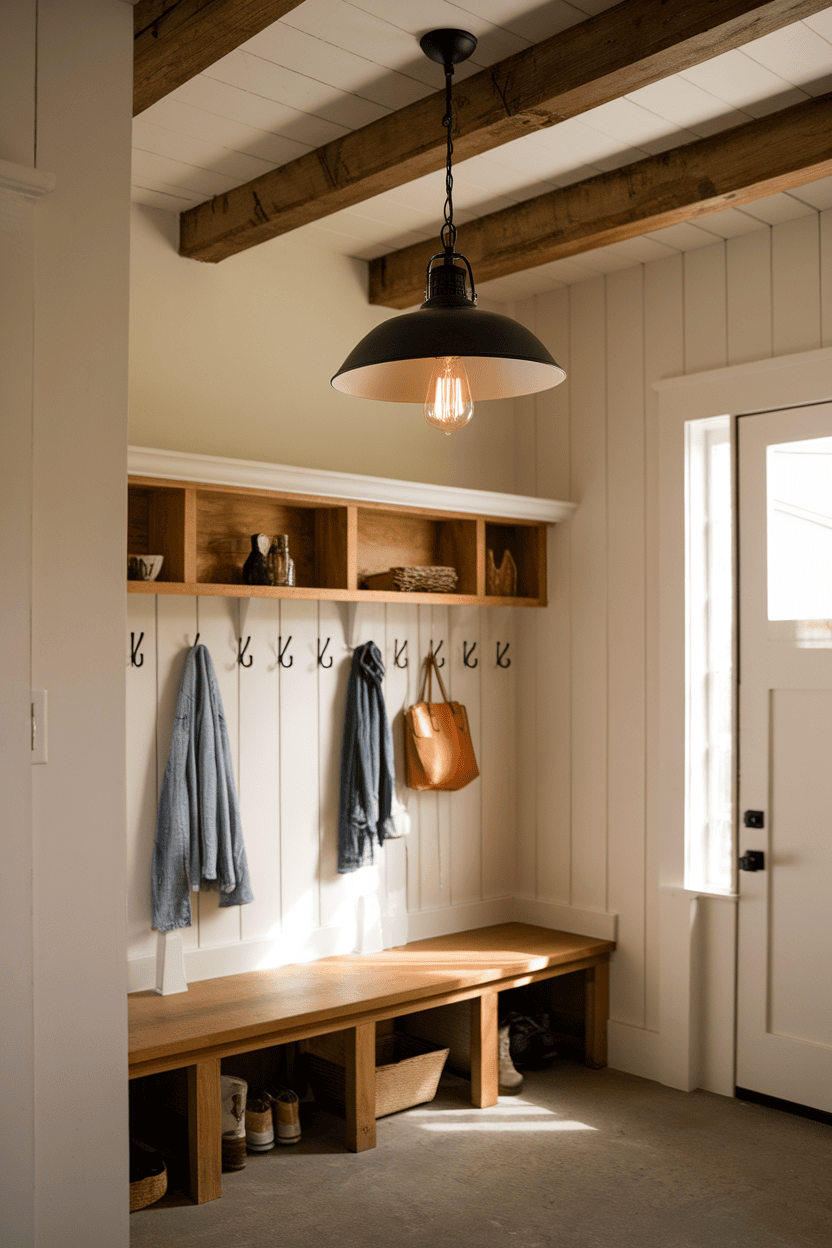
<point>217,1018</point>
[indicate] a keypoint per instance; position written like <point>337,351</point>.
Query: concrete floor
<point>588,1158</point>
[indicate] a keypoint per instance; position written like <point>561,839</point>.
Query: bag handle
<point>431,666</point>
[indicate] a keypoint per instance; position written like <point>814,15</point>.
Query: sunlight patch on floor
<point>556,1124</point>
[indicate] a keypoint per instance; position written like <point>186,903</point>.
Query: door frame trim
<point>697,970</point>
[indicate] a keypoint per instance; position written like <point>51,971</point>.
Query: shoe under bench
<point>235,1014</point>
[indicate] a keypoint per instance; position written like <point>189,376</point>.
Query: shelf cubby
<point>527,545</point>
<point>390,539</point>
<point>156,524</point>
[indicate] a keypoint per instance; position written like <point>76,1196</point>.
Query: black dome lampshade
<point>449,353</point>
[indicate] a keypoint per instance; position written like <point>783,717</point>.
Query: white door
<point>784,990</point>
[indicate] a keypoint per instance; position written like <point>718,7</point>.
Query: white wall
<point>66,107</point>
<point>234,359</point>
<point>455,869</point>
<point>591,834</point>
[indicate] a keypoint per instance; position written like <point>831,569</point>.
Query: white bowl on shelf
<point>144,567</point>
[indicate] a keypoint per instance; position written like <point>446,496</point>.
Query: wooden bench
<point>217,1018</point>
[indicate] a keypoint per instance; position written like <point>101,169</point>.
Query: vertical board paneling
<point>663,357</point>
<point>749,296</point>
<point>299,819</point>
<point>430,863</point>
<point>589,596</point>
<point>626,635</point>
<point>525,418</point>
<point>705,311</point>
<point>795,265</point>
<point>550,745</point>
<point>552,406</point>
<point>402,691</point>
<point>441,636</point>
<point>142,785</point>
<point>336,891</point>
<point>260,771</point>
<point>176,629</point>
<point>371,881</point>
<point>545,636</point>
<point>531,634</point>
<point>468,827</point>
<point>826,277</point>
<point>219,628</point>
<point>498,768</point>
<point>396,691</point>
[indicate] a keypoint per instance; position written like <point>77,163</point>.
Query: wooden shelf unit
<point>334,542</point>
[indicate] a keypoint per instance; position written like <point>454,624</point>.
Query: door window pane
<point>799,498</point>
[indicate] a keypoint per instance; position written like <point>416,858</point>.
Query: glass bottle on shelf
<point>281,565</point>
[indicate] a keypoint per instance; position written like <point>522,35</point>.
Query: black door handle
<point>753,860</point>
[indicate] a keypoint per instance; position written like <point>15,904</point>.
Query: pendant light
<point>449,354</point>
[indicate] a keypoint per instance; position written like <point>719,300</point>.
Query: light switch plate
<point>39,726</point>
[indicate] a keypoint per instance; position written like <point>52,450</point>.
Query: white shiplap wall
<point>454,870</point>
<point>589,834</point>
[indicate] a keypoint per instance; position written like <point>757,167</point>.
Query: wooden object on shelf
<point>196,525</point>
<point>502,580</point>
<point>234,1014</point>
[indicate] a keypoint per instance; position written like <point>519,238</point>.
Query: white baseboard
<point>427,923</point>
<point>326,942</point>
<point>252,955</point>
<point>633,1049</point>
<point>598,923</point>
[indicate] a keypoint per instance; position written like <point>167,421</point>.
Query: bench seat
<point>217,1018</point>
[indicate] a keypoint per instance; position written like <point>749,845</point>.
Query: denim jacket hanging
<point>367,768</point>
<point>199,840</point>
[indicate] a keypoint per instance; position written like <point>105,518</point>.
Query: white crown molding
<point>820,358</point>
<point>25,181</point>
<point>144,461</point>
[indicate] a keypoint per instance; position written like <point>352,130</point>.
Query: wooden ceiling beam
<point>619,50</point>
<point>174,40</point>
<point>777,153</point>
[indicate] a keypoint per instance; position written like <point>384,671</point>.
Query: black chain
<point>448,231</point>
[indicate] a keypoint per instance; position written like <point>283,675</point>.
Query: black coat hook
<point>241,650</point>
<point>435,652</point>
<point>281,650</point>
<point>398,654</point>
<point>501,656</point>
<point>136,659</point>
<point>321,653</point>
<point>466,654</point>
<point>196,640</point>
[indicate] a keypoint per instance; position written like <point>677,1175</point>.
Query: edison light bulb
<point>449,404</point>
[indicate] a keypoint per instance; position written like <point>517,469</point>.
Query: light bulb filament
<point>449,405</point>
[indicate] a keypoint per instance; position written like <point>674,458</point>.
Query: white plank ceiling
<point>331,66</point>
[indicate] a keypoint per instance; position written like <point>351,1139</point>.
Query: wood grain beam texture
<point>174,40</point>
<point>618,51</point>
<point>779,152</point>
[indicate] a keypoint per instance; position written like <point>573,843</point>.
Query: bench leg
<point>484,1065</point>
<point>596,1014</point>
<point>361,1087</point>
<point>205,1130</point>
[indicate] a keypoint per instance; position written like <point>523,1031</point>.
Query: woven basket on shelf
<point>407,1071</point>
<point>415,580</point>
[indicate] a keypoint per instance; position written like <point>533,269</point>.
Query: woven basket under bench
<point>408,1070</point>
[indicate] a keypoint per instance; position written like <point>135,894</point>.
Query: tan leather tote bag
<point>438,750</point>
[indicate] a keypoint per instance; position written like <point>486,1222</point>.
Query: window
<point>799,507</point>
<point>709,619</point>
